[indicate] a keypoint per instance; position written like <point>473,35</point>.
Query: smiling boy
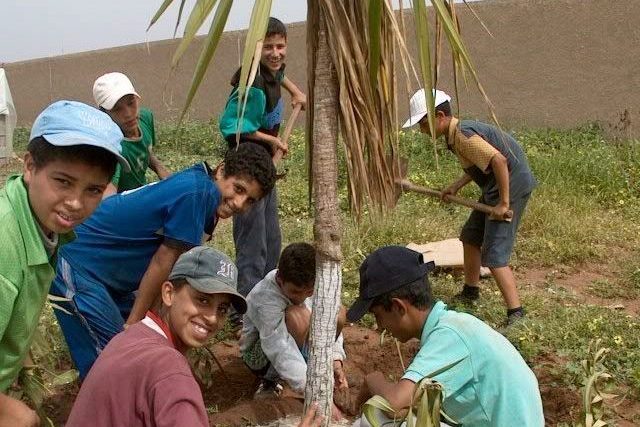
<point>485,382</point>
<point>114,94</point>
<point>256,234</point>
<point>114,270</point>
<point>142,377</point>
<point>72,154</point>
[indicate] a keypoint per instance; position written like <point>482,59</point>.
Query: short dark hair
<point>445,107</point>
<point>276,27</point>
<point>416,293</point>
<point>251,160</point>
<point>43,153</point>
<point>298,264</point>
<point>158,305</point>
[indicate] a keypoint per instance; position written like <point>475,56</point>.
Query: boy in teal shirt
<point>485,382</point>
<point>115,95</point>
<point>72,154</point>
<point>256,233</point>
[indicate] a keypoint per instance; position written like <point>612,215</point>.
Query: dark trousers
<point>256,234</point>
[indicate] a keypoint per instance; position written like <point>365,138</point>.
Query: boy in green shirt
<point>114,94</point>
<point>72,155</point>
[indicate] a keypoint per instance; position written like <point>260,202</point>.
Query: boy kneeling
<point>274,342</point>
<point>484,379</point>
<point>142,377</point>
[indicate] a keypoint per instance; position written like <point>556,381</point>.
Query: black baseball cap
<point>385,270</point>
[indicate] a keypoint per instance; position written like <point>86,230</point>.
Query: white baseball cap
<point>418,105</point>
<point>110,87</point>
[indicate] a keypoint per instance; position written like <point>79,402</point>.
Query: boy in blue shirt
<point>484,379</point>
<point>72,154</point>
<point>256,234</point>
<point>113,272</point>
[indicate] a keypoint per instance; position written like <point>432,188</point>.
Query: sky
<point>32,29</point>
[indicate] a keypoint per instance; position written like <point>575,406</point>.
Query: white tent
<point>8,118</point>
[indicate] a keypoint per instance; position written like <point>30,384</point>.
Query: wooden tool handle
<point>409,186</point>
<point>287,132</point>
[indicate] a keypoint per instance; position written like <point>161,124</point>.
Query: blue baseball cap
<point>67,123</point>
<point>384,270</point>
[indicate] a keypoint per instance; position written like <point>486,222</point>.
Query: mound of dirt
<point>232,393</point>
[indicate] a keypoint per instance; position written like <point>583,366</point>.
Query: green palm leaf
<point>198,14</point>
<point>165,4</point>
<point>211,42</point>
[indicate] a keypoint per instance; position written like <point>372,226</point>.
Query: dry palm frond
<point>367,95</point>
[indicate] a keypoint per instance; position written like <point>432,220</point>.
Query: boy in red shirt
<point>142,377</point>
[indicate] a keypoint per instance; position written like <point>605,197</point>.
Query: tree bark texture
<point>327,228</point>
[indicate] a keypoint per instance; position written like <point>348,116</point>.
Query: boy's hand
<point>278,144</point>
<point>499,212</point>
<point>299,98</point>
<point>339,378</point>
<point>16,413</point>
<point>310,419</point>
<point>449,191</point>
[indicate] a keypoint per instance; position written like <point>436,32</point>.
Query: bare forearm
<point>273,141</point>
<point>462,181</point>
<point>291,87</point>
<point>156,165</point>
<point>156,274</point>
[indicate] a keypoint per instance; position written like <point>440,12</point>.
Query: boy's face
<point>441,124</point>
<point>125,114</point>
<point>296,294</point>
<point>62,194</point>
<point>274,52</point>
<point>193,316</point>
<point>393,321</point>
<point>238,193</point>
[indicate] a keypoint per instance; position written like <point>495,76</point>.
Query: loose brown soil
<point>230,400</point>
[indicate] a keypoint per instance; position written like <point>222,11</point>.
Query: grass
<point>586,210</point>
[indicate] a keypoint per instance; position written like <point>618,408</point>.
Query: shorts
<point>495,238</point>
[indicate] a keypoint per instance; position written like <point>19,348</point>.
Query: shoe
<point>467,296</point>
<point>268,389</point>
<point>514,318</point>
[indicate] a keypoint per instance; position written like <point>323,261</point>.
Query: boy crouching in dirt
<point>142,377</point>
<point>485,381</point>
<point>274,342</point>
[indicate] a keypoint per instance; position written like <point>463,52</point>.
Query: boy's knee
<point>298,319</point>
<point>342,320</point>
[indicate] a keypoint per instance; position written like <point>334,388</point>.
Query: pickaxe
<point>400,167</point>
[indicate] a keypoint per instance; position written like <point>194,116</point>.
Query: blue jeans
<point>257,238</point>
<point>92,316</point>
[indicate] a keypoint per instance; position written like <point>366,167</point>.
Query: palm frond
<point>209,48</point>
<point>198,15</point>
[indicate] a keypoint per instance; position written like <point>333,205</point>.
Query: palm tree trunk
<point>327,228</point>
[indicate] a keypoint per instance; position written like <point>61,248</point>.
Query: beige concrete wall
<point>553,63</point>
